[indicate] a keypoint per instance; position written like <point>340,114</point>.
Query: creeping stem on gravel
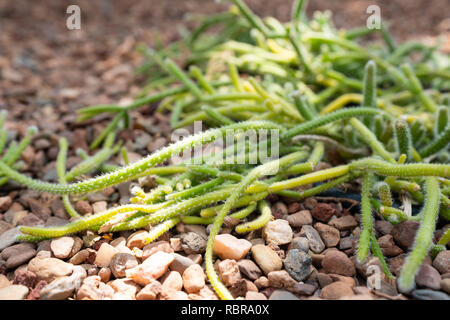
<point>261,221</point>
<point>366,219</point>
<point>256,173</point>
<point>132,171</point>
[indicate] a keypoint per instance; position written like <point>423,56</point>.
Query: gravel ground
<point>47,72</point>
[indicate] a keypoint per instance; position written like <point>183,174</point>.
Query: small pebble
<point>442,262</point>
<point>426,294</point>
<point>193,243</point>
<point>404,233</point>
<point>99,206</point>
<point>315,241</point>
<point>281,279</point>
<point>124,289</point>
<point>104,274</point>
<point>180,263</point>
<point>151,269</point>
<point>347,222</point>
<point>137,239</point>
<point>18,254</point>
<point>150,291</point>
<point>14,292</point>
<point>262,282</point>
<point>279,210</point>
<point>229,272</point>
<point>445,285</point>
<point>105,255</point>
<point>122,262</point>
<point>329,234</point>
<point>49,269</point>
<point>283,295</point>
<point>62,247</point>
<point>337,262</point>
<point>323,212</point>
<point>251,295</point>
<point>336,290</point>
<point>4,282</point>
<point>83,207</point>
<point>428,277</point>
<point>154,247</point>
<point>300,218</point>
<point>62,288</point>
<point>5,203</point>
<point>249,269</point>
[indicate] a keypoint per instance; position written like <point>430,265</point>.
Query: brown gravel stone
<point>279,210</point>
<point>105,254</point>
<point>4,226</point>
<point>281,279</point>
<point>277,232</point>
<point>262,282</point>
<point>154,247</point>
<point>83,207</point>
<point>93,289</point>
<point>193,278</point>
<point>329,235</point>
<point>49,269</point>
<point>150,291</point>
<point>442,262</point>
<point>227,246</point>
<point>18,254</point>
<point>428,277</point>
<point>249,269</point>
<point>251,295</point>
<point>304,289</point>
<point>404,233</point>
<point>122,262</point>
<point>137,239</point>
<point>445,285</point>
<point>125,287</point>
<point>337,277</point>
<point>104,274</point>
<point>337,290</point>
<point>323,279</point>
<point>300,218</point>
<point>338,262</point>
<point>14,292</point>
<point>294,207</point>
<point>4,281</point>
<point>383,227</point>
<point>315,241</point>
<point>395,263</point>
<point>388,246</point>
<point>151,269</point>
<point>62,247</point>
<point>26,278</point>
<point>241,287</point>
<point>80,257</point>
<point>347,222</point>
<point>229,272</point>
<point>323,212</point>
<point>40,209</point>
<point>5,203</point>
